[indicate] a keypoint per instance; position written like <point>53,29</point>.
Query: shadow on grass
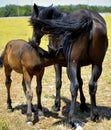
<point>45,111</point>
<point>83,117</point>
<point>105,112</point>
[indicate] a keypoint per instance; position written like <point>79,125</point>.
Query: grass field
<point>16,28</point>
<point>19,28</point>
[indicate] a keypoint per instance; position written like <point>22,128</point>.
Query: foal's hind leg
<point>29,95</point>
<point>58,71</point>
<point>24,86</point>
<point>83,105</point>
<point>8,85</point>
<point>96,72</point>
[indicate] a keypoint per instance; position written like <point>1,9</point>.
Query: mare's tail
<point>76,27</point>
<point>2,59</point>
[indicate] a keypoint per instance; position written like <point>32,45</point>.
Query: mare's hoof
<point>55,108</point>
<point>84,107</point>
<point>96,118</point>
<point>29,123</point>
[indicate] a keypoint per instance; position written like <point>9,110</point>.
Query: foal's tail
<point>2,59</point>
<point>76,27</point>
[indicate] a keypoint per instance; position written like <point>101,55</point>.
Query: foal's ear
<point>35,8</point>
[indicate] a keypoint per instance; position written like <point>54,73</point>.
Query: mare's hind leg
<point>39,92</point>
<point>96,72</point>
<point>8,85</point>
<point>58,71</point>
<point>83,105</point>
<point>72,71</point>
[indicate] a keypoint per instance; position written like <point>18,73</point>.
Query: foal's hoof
<point>55,108</point>
<point>29,123</point>
<point>76,124</point>
<point>10,109</point>
<point>40,114</point>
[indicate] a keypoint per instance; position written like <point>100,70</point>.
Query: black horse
<point>85,42</point>
<point>55,44</point>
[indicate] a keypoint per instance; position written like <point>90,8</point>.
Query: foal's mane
<point>41,52</point>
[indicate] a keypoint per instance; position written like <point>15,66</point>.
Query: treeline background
<point>14,10</point>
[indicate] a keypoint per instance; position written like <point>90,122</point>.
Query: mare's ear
<point>35,8</point>
<point>51,5</point>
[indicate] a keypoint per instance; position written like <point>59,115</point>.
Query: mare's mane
<point>75,27</point>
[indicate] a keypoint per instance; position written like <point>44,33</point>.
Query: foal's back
<point>19,54</point>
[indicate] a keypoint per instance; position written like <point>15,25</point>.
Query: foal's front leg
<point>72,71</point>
<point>96,72</point>
<point>29,96</point>
<point>24,89</point>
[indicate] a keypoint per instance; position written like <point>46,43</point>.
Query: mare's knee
<point>92,87</point>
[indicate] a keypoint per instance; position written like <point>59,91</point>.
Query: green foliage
<point>14,10</point>
<point>25,10</point>
<point>70,8</point>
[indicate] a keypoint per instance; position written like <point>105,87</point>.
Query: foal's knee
<point>8,82</point>
<point>29,95</point>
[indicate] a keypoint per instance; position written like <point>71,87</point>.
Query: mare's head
<point>40,12</point>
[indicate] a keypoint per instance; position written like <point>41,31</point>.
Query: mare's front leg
<point>58,74</point>
<point>96,72</point>
<point>8,85</point>
<point>72,71</point>
<point>39,92</point>
<point>29,95</point>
